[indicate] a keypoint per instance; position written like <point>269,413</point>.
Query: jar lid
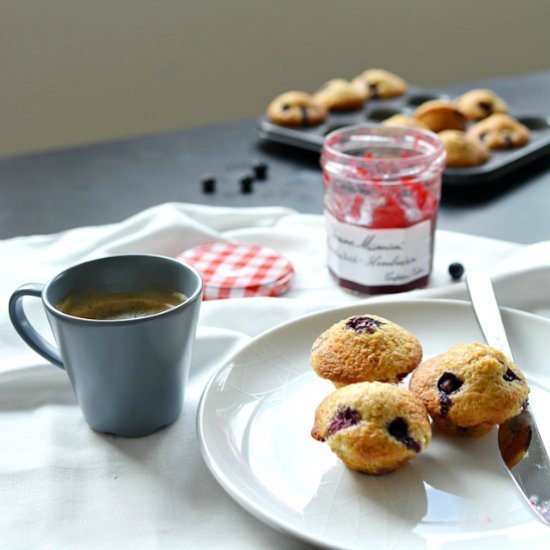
<point>231,270</point>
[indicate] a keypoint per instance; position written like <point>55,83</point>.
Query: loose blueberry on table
<point>456,270</point>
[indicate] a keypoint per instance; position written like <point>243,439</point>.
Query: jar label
<point>378,257</point>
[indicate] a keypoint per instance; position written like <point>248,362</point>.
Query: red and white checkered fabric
<point>232,270</point>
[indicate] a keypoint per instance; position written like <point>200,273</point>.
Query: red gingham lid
<point>232,270</point>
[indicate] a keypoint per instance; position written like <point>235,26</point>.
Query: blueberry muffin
<point>373,427</point>
<point>500,131</point>
<point>401,119</point>
<point>339,95</point>
<point>463,150</point>
<point>296,109</point>
<point>380,84</point>
<point>470,388</point>
<point>438,115</point>
<point>480,103</point>
<point>365,348</point>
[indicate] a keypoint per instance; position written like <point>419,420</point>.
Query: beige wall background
<point>80,71</point>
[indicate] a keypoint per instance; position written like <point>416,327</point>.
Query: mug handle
<point>23,326</point>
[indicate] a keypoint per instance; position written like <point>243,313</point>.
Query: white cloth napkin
<point>64,486</point>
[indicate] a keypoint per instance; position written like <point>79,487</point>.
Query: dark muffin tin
<point>502,162</point>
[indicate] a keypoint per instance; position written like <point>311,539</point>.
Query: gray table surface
<point>107,182</point>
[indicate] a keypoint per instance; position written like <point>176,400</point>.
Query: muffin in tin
<point>463,150</point>
<point>470,388</point>
<point>402,119</point>
<point>480,103</point>
<point>380,84</point>
<point>439,114</point>
<point>365,348</point>
<point>296,108</point>
<point>500,131</point>
<point>374,428</point>
<point>338,94</point>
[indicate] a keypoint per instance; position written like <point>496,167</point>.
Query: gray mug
<point>128,375</point>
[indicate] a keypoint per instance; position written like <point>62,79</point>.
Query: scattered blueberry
<point>260,170</point>
<point>247,184</point>
<point>456,270</point>
<point>208,183</point>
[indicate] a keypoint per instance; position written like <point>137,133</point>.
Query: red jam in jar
<point>381,197</point>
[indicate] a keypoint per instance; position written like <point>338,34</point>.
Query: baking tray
<point>501,163</point>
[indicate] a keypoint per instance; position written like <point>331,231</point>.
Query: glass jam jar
<point>382,187</point>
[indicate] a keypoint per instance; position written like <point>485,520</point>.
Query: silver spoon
<point>520,443</point>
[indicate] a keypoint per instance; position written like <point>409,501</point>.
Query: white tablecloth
<point>64,486</point>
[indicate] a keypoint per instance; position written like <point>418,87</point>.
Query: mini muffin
<point>365,348</point>
<point>339,95</point>
<point>401,119</point>
<point>296,109</point>
<point>380,84</point>
<point>373,427</point>
<point>463,150</point>
<point>470,389</point>
<point>500,131</point>
<point>438,115</point>
<point>481,103</point>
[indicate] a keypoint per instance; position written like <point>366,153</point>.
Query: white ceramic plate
<point>254,424</point>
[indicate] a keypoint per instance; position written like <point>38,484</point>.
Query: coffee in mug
<point>120,305</point>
